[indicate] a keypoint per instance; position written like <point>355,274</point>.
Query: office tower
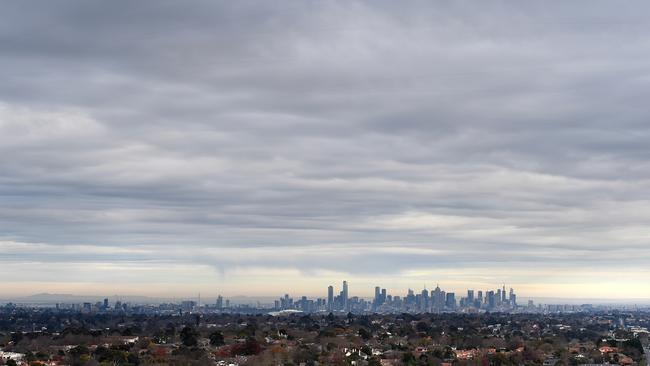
<point>470,296</point>
<point>480,296</point>
<point>188,305</point>
<point>383,295</point>
<point>377,296</point>
<point>227,303</point>
<point>344,296</point>
<point>503,294</point>
<point>330,298</point>
<point>425,299</point>
<point>434,297</point>
<point>512,297</point>
<point>304,304</point>
<point>451,300</point>
<point>490,299</point>
<point>219,302</point>
<point>105,306</point>
<point>498,297</point>
<point>410,298</point>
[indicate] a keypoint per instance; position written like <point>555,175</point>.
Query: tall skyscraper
<point>451,300</point>
<point>219,302</point>
<point>437,298</point>
<point>425,300</point>
<point>344,296</point>
<point>330,298</point>
<point>490,299</point>
<point>377,296</point>
<point>512,297</point>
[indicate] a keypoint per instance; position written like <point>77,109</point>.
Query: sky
<point>164,148</point>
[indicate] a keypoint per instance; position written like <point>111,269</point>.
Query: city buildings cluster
<point>436,300</point>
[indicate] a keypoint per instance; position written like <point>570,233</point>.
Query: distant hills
<point>47,299</point>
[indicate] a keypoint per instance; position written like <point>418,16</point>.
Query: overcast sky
<point>236,147</point>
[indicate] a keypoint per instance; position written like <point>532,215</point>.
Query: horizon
<point>206,298</point>
<point>252,147</point>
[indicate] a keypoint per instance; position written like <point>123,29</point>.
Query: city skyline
<point>505,294</point>
<point>165,149</point>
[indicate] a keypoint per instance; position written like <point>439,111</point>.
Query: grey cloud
<point>256,125</point>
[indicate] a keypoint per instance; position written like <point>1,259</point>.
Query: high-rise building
<point>219,302</point>
<point>424,304</point>
<point>330,298</point>
<point>470,296</point>
<point>490,299</point>
<point>377,296</point>
<point>450,301</point>
<point>344,295</point>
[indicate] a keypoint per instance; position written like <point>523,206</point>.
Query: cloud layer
<point>406,143</point>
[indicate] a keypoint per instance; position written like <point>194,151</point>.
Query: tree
<point>363,333</point>
<point>189,337</point>
<point>216,339</point>
<point>248,348</point>
<point>408,358</point>
<point>422,327</point>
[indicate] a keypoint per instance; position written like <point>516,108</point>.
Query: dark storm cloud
<point>486,133</point>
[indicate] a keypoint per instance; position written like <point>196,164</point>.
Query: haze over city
<point>261,148</point>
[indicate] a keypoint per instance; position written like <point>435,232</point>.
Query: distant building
<point>330,298</point>
<point>450,301</point>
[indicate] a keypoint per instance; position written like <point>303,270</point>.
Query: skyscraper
<point>330,298</point>
<point>512,297</point>
<point>437,298</point>
<point>490,299</point>
<point>377,296</point>
<point>451,300</point>
<point>344,296</point>
<point>425,300</point>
